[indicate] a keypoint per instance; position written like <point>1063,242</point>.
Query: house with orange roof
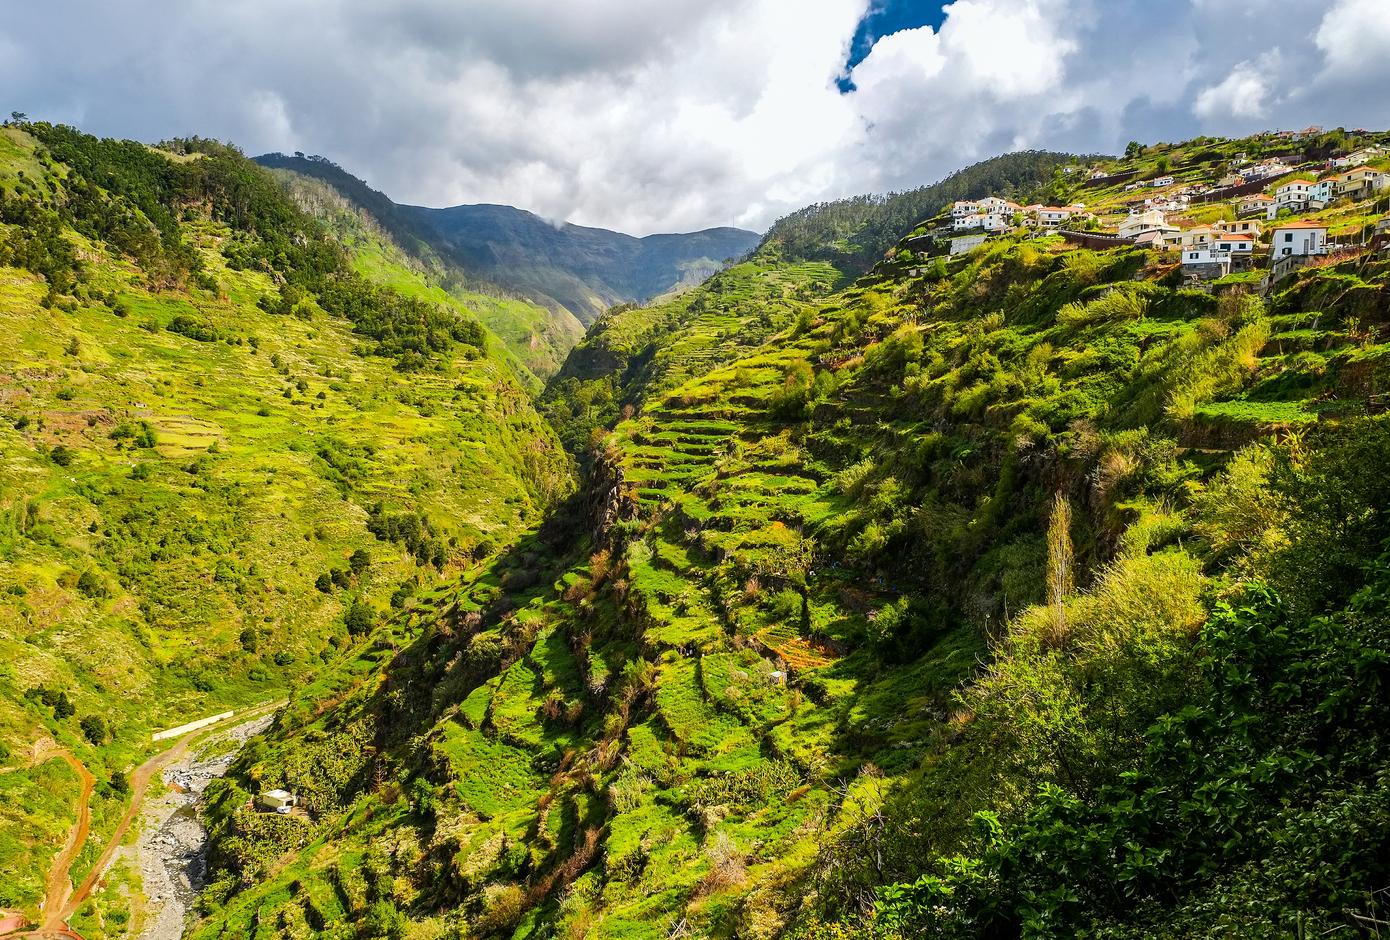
<point>1239,248</point>
<point>1294,194</point>
<point>1258,203</point>
<point>1050,216</point>
<point>1357,183</point>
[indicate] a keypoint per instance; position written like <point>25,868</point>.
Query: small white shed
<point>277,801</point>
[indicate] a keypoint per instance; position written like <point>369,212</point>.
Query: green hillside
<point>384,239</point>
<point>573,272</point>
<point>1021,592</point>
<point>223,456</point>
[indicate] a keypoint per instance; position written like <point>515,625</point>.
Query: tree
<point>360,619</point>
<point>18,117</point>
<point>360,561</point>
<point>95,729</point>
<point>119,783</point>
<point>62,706</point>
<point>1134,149</point>
<point>1060,558</point>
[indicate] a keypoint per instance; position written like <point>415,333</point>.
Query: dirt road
<point>59,887</point>
<point>60,900</point>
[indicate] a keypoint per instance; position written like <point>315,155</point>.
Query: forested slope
<point>1023,592</point>
<point>390,245</point>
<point>224,456</point>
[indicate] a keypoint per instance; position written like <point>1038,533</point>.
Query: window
<point>1288,236</point>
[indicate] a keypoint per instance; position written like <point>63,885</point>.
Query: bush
<point>360,618</point>
<point>95,729</point>
<point>91,585</point>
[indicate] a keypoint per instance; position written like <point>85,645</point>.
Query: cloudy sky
<point>673,115</point>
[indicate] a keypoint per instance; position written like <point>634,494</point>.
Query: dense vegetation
<point>571,272</point>
<point>203,403</point>
<point>384,238</point>
<point>1019,593</point>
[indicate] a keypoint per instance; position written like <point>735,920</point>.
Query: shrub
<point>95,729</point>
<point>91,584</point>
<point>360,618</point>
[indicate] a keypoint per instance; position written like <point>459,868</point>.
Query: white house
<point>1356,158</point>
<point>1263,170</point>
<point>1293,194</point>
<point>1239,247</point>
<point>1205,263</point>
<point>996,222</point>
<point>995,204</point>
<point>1298,238</point>
<point>1150,220</point>
<point>1320,194</point>
<point>991,214</point>
<point>1051,216</point>
<point>1258,203</point>
<point>1239,227</point>
<point>277,801</point>
<point>1162,181</point>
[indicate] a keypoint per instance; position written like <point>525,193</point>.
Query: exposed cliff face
<point>612,499</point>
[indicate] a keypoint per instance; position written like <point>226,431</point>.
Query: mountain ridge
<point>581,269</point>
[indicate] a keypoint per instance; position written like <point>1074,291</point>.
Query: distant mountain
<point>571,267</point>
<point>585,269</point>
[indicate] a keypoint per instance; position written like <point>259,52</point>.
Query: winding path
<point>60,900</point>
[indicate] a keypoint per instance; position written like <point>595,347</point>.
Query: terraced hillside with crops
<point>1021,591</point>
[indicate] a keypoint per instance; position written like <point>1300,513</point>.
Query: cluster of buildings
<point>1206,251</point>
<point>993,214</point>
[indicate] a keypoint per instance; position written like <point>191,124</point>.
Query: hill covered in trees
<point>1028,591</point>
<point>854,233</point>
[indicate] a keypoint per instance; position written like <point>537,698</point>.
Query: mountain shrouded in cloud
<point>682,116</point>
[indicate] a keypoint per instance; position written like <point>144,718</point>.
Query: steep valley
<point>940,602</point>
<point>877,586</point>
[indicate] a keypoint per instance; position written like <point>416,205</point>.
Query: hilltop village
<point>1286,199</point>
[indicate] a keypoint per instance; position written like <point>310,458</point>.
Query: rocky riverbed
<point>172,848</point>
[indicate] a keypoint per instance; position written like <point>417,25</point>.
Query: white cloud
<point>1354,36</point>
<point>1245,93</point>
<point>649,115</point>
